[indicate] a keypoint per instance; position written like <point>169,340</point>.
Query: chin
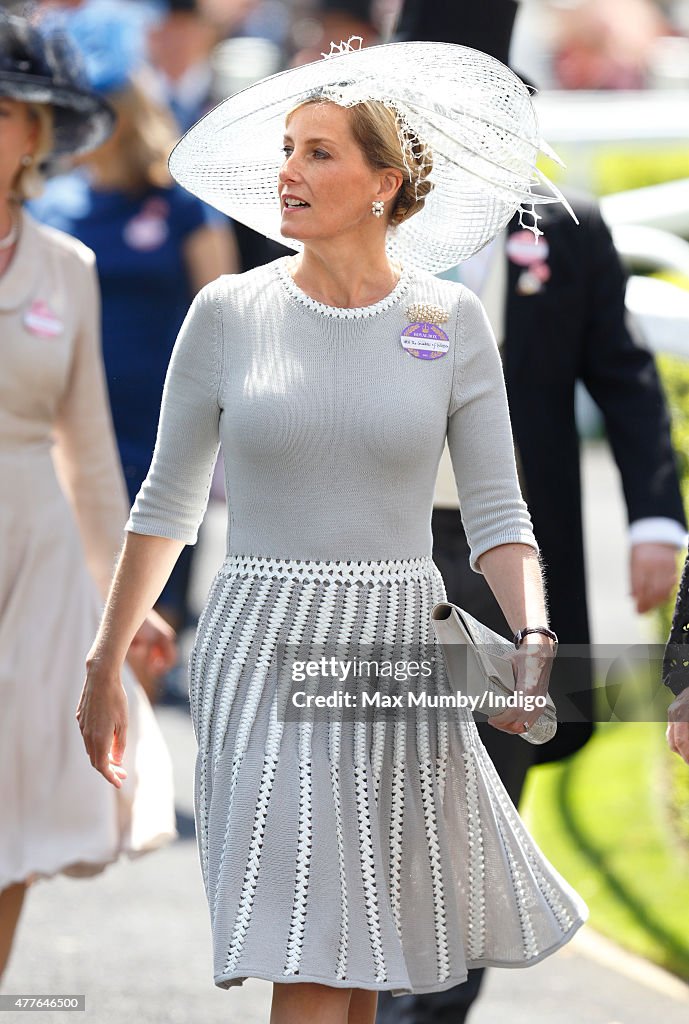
<point>288,230</point>
<point>286,233</point>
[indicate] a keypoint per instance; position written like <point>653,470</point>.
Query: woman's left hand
<point>533,663</point>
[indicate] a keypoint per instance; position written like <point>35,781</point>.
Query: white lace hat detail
<point>474,116</point>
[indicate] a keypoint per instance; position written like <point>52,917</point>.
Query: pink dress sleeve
<point>85,452</point>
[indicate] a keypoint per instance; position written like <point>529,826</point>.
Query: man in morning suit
<point>557,309</point>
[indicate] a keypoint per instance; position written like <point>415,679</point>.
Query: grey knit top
<point>331,429</point>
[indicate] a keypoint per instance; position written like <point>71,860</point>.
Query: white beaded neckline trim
<point>341,312</point>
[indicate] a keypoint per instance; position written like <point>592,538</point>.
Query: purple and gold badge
<point>425,341</point>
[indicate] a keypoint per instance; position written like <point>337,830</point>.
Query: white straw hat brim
<point>473,113</point>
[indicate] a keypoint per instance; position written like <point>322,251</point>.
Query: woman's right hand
<point>142,570</point>
<point>102,714</point>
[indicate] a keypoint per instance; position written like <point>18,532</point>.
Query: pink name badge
<point>42,321</point>
<point>146,233</point>
<point>425,341</point>
<point>149,229</point>
<point>523,250</point>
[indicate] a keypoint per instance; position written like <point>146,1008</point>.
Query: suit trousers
<point>511,756</point>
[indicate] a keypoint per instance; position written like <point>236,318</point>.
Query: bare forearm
<point>513,572</point>
<point>142,571</point>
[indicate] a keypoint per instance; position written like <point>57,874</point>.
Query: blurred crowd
<point>604,44</point>
<point>162,64</point>
<point>199,51</point>
<point>159,65</point>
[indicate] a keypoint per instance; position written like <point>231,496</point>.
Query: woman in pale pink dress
<point>62,513</point>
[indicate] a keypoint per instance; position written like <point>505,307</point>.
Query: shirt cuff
<point>658,530</point>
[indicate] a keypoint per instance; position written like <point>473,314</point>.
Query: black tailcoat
<point>573,329</point>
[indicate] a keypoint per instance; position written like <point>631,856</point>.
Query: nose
<point>289,171</point>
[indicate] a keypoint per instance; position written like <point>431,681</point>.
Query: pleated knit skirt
<point>354,851</point>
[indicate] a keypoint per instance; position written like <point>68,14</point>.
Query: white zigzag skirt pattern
<point>378,854</point>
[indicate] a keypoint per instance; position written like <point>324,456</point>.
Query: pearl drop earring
<point>27,160</point>
<point>377,208</point>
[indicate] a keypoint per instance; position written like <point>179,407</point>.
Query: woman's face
<point>326,186</point>
<point>18,138</point>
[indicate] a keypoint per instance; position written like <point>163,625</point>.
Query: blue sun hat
<point>111,38</point>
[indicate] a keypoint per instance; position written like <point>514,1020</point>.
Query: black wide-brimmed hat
<point>37,67</point>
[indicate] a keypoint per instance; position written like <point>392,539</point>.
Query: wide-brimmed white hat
<point>472,113</point>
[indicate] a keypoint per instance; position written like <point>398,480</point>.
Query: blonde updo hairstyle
<point>375,129</point>
<point>376,132</point>
<point>29,181</point>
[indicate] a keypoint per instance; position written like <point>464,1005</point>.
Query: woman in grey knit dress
<point>340,855</point>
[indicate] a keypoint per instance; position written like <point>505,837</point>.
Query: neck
<point>109,172</point>
<point>7,214</point>
<point>343,276</point>
<point>104,177</point>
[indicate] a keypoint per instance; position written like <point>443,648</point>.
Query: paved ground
<point>136,939</point>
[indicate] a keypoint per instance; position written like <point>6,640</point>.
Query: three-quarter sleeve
<point>85,452</point>
<point>479,435</point>
<point>173,498</point>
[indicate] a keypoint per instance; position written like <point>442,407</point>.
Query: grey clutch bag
<point>480,663</point>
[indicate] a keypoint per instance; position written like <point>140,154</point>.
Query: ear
<point>390,183</point>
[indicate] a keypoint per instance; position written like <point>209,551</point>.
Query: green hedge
<point>602,818</point>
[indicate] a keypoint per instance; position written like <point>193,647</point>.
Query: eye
<point>320,154</point>
<point>287,150</point>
